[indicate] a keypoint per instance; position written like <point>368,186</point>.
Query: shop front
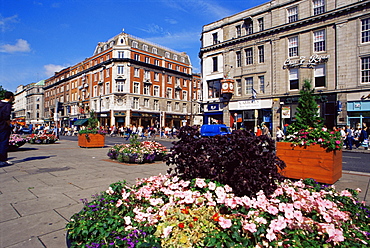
<point>358,113</point>
<point>213,114</point>
<point>249,114</point>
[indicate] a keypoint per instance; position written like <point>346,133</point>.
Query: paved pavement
<point>42,190</point>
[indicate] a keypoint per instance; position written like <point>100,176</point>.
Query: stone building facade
<point>127,81</point>
<point>29,103</point>
<point>268,51</point>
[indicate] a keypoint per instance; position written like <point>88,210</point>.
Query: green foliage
<point>307,111</point>
<point>2,92</point>
<point>92,122</point>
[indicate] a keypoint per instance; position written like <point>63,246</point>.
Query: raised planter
<point>91,140</point>
<point>310,162</point>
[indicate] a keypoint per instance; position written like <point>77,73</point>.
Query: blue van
<point>214,129</point>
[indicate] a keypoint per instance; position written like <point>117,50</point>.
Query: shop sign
<point>249,104</point>
<point>302,62</point>
<point>358,105</point>
<point>212,107</point>
<point>285,112</point>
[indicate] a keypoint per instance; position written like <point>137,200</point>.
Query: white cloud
<point>5,21</point>
<point>20,46</point>
<point>50,69</point>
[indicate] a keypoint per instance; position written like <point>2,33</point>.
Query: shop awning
<point>80,122</point>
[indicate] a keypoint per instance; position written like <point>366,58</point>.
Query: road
<point>352,161</point>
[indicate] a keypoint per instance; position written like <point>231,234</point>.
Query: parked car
<point>214,129</point>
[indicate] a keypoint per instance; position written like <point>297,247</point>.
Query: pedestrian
<point>364,139</point>
<point>265,130</point>
<point>349,135</point>
<point>5,127</point>
<point>279,134</point>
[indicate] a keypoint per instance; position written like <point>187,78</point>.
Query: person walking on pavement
<point>279,134</point>
<point>5,127</point>
<point>363,139</point>
<point>349,135</point>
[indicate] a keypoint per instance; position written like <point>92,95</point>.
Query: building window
<point>135,103</point>
<point>320,75</point>
<point>184,108</point>
<point>134,44</point>
<point>318,7</point>
<point>107,88</point>
<point>167,55</point>
<point>147,75</point>
<point>147,60</point>
<point>156,76</point>
<point>169,66</point>
<point>137,57</point>
<point>177,95</point>
<point>156,105</point>
<point>175,57</point>
<point>238,29</point>
<point>121,55</point>
<point>238,59</point>
<point>293,46</point>
<point>261,81</point>
<point>238,90</point>
<point>184,95</point>
<point>292,14</point>
<point>215,38</point>
<point>177,106</point>
<point>261,54</point>
<point>146,102</point>
<point>37,106</point>
<point>145,47</point>
<point>365,70</point>
<point>185,83</point>
<point>146,89</point>
<point>293,79</point>
<point>319,41</point>
<point>156,90</point>
<point>154,50</point>
<point>249,86</point>
<point>169,106</point>
<point>215,64</point>
<point>107,72</point>
<point>169,93</point>
<point>214,89</point>
<point>365,30</point>
<point>260,24</point>
<point>136,88</point>
<point>248,56</point>
<point>120,87</point>
<point>136,72</point>
<point>120,70</point>
<point>249,28</point>
<point>169,79</point>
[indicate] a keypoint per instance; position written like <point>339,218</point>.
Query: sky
<point>41,37</point>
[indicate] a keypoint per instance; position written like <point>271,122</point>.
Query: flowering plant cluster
<point>145,151</point>
<point>16,141</point>
<point>330,140</point>
<point>165,211</point>
<point>42,138</point>
<point>92,131</point>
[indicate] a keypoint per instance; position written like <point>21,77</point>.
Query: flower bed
<point>143,152</point>
<point>42,138</point>
<point>165,211</point>
<point>16,141</point>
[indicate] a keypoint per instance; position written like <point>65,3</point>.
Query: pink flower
<point>225,223</point>
<point>167,231</point>
<point>270,235</point>
<point>251,227</point>
<point>345,193</point>
<point>337,142</point>
<point>119,203</point>
<point>200,183</point>
<point>272,210</point>
<point>211,186</point>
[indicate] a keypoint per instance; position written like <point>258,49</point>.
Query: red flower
<point>195,218</point>
<point>216,217</point>
<point>181,225</point>
<point>184,211</point>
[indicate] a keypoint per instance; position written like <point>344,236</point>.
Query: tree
<point>307,115</point>
<point>2,92</point>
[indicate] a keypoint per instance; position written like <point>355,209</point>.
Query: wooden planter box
<point>310,162</point>
<point>91,140</point>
